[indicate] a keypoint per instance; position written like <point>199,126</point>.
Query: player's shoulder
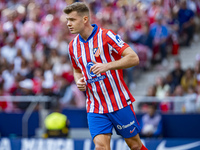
<point>106,31</point>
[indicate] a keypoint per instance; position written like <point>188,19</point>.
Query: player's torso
<point>96,49</point>
<point>106,92</point>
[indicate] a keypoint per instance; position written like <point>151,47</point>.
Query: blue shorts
<point>124,121</point>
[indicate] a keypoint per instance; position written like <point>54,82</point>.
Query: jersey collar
<point>93,33</point>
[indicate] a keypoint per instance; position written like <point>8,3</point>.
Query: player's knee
<point>100,147</point>
<point>135,146</point>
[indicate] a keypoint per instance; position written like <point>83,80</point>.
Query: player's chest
<point>91,51</point>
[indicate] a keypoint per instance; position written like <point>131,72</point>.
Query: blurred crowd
<point>34,53</point>
<point>155,27</point>
<point>179,90</point>
<point>34,42</point>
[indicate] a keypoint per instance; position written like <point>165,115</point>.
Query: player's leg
<point>135,143</point>
<point>126,125</point>
<point>102,141</point>
<point>100,127</point>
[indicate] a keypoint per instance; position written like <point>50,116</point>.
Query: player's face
<point>74,22</point>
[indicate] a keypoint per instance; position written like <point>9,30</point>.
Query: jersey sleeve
<point>72,57</point>
<point>116,42</point>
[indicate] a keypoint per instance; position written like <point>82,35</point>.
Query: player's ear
<point>85,19</point>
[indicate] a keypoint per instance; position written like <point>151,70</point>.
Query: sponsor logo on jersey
<point>119,127</point>
<point>119,40</point>
<point>89,65</point>
<point>125,126</point>
<point>79,57</point>
<point>131,131</point>
<point>96,79</point>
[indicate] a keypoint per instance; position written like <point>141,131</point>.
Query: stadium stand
<point>34,42</point>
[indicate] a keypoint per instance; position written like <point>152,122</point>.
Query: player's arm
<point>129,59</point>
<point>79,79</point>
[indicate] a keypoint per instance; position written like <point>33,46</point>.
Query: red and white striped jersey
<point>106,92</point>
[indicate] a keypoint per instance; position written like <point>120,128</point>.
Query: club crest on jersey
<point>96,51</point>
<point>119,40</point>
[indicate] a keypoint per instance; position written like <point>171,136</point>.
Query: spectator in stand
<point>9,51</point>
<point>153,11</point>
<point>179,92</point>
<point>37,81</point>
<point>162,92</point>
<point>24,43</point>
<point>24,69</point>
<point>151,123</point>
<point>169,81</point>
<point>8,77</point>
<point>151,93</point>
<point>190,102</point>
<point>173,26</point>
<point>191,4</point>
<point>159,33</point>
<point>5,105</point>
<point>197,69</point>
<point>186,23</point>
<point>135,30</point>
<point>47,90</point>
<point>167,102</point>
<point>48,74</point>
<point>65,93</point>
<point>177,73</point>
<point>178,106</point>
<point>17,62</point>
<point>188,80</point>
<point>198,99</point>
<point>161,87</point>
<point>62,67</point>
<point>145,38</point>
<point>25,89</point>
<point>197,73</point>
<point>62,45</point>
<point>54,57</point>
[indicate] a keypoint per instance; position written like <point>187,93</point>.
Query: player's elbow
<point>135,61</point>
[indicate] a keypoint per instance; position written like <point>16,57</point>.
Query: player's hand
<point>98,68</point>
<point>81,84</point>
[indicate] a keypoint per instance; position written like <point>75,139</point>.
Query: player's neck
<point>87,32</point>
